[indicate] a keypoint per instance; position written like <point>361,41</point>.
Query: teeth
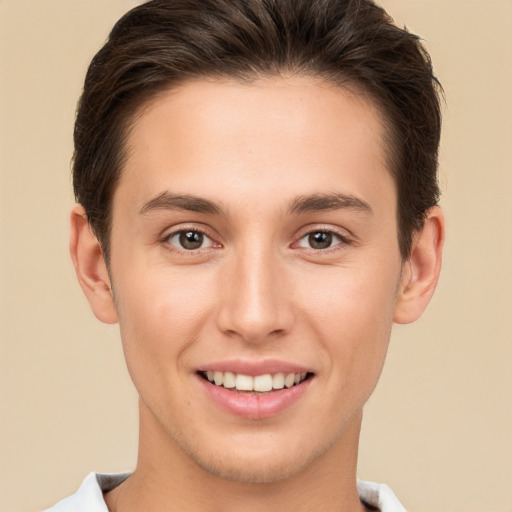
<point>229,380</point>
<point>259,383</point>
<point>278,381</point>
<point>289,380</point>
<point>218,378</point>
<point>244,382</point>
<point>263,382</point>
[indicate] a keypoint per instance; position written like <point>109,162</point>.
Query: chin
<point>251,472</point>
<point>258,465</point>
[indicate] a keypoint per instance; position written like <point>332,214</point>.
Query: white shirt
<point>89,498</point>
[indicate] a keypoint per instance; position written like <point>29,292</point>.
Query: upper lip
<point>255,367</point>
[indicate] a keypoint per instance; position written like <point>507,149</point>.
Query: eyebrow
<point>168,201</point>
<point>329,202</point>
<point>301,204</point>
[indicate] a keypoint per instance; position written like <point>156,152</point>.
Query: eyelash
<point>167,240</point>
<point>337,240</point>
<point>342,240</point>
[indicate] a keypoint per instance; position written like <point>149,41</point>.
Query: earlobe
<point>421,271</point>
<point>90,267</point>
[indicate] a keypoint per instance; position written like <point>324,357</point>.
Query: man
<point>257,196</point>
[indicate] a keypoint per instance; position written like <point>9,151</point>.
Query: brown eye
<point>190,240</point>
<point>320,240</point>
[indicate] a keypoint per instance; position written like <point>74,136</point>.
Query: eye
<point>321,240</point>
<point>190,240</point>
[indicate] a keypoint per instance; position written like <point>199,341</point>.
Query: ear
<point>90,267</point>
<point>420,272</point>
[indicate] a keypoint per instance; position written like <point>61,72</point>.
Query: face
<point>255,266</point>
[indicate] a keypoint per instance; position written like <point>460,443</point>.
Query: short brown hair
<point>353,43</point>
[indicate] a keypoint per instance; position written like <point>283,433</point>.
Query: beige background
<point>438,429</point>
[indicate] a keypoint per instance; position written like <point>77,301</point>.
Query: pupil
<point>191,239</point>
<point>320,240</point>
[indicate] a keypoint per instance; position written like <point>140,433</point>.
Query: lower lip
<point>254,406</point>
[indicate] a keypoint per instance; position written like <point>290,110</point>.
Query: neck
<point>167,479</point>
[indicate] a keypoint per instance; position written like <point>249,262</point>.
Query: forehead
<point>294,133</point>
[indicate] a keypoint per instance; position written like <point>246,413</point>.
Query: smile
<point>255,390</point>
<point>257,383</point>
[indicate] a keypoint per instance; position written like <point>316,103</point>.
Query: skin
<point>256,288</point>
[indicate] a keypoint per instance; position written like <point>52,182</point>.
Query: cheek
<point>351,313</point>
<point>161,313</point>
<point>349,299</point>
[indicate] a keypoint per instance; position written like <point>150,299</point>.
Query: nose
<point>255,300</point>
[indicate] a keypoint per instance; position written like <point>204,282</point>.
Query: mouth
<point>256,389</point>
<point>254,384</point>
